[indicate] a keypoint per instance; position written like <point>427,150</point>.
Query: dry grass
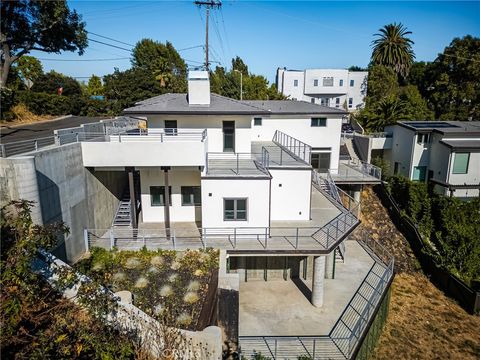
<point>425,324</point>
<point>25,116</point>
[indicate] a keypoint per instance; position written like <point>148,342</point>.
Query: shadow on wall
<point>51,209</point>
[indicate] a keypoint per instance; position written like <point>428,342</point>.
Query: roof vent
<point>198,88</point>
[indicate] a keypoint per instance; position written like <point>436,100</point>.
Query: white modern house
<point>445,153</point>
<point>339,88</point>
<point>222,158</point>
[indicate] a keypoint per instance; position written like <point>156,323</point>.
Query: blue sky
<point>266,34</point>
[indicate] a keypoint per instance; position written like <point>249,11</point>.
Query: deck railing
<point>345,336</point>
<point>293,146</point>
<point>161,135</point>
<point>238,163</point>
<point>366,169</point>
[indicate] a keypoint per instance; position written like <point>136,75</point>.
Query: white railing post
<point>112,239</point>
<point>234,238</point>
<point>4,153</point>
<point>266,237</point>
<point>85,238</point>
<point>237,163</point>
<point>36,145</point>
<point>296,237</point>
<point>173,240</point>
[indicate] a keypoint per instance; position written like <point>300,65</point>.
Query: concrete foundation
<point>318,281</point>
<point>56,179</point>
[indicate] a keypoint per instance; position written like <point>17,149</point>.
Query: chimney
<point>198,88</point>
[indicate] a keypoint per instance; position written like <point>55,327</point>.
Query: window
<point>423,139</point>
<point>315,82</point>
<point>460,163</point>
<point>352,83</point>
<point>337,102</point>
<point>171,127</point>
<point>321,161</point>
<point>312,100</point>
<point>328,81</point>
<point>234,209</point>
<point>295,83</point>
<point>325,101</point>
<point>257,121</point>
<point>419,173</point>
<point>191,196</point>
<point>319,122</point>
<point>157,195</point>
<point>341,82</point>
<point>350,102</point>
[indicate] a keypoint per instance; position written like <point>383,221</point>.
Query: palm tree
<point>393,49</point>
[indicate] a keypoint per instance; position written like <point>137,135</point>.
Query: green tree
<point>94,86</point>
<point>382,82</point>
<point>48,26</point>
<point>414,106</point>
<point>52,81</point>
<point>163,61</point>
<point>452,81</point>
<point>238,64</point>
<point>30,69</point>
<point>393,48</point>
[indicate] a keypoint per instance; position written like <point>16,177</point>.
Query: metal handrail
<point>293,146</point>
<point>365,168</point>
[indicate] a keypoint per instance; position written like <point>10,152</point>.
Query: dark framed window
<point>350,102</point>
<point>352,83</point>
<point>295,82</point>
<point>171,127</point>
<point>235,209</point>
<point>337,102</point>
<point>319,122</point>
<point>460,163</point>
<point>328,81</point>
<point>341,82</point>
<point>423,138</point>
<point>312,100</point>
<point>157,195</point>
<point>315,82</point>
<point>257,121</point>
<point>419,173</point>
<point>191,196</point>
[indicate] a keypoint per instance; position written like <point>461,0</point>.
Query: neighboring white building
<point>339,88</point>
<point>446,153</point>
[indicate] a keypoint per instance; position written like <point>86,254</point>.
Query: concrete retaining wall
<point>56,179</point>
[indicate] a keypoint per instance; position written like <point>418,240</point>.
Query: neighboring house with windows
<point>337,88</point>
<point>217,156</point>
<point>446,153</point>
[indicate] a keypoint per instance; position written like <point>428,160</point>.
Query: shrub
<point>7,101</point>
<point>46,104</point>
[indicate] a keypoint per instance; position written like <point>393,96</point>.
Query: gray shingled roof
<point>220,105</point>
<point>293,107</point>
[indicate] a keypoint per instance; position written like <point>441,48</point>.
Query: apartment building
<point>338,88</point>
<point>445,153</point>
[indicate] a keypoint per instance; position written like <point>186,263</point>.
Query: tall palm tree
<point>393,48</point>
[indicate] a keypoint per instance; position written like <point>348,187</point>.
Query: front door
<point>321,161</point>
<point>229,136</point>
<point>170,127</point>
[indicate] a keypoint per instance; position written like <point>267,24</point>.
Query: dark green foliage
<point>451,225</point>
<point>51,81</point>
<point>452,81</point>
<point>357,68</point>
<point>457,235</point>
<point>7,100</point>
<point>125,88</point>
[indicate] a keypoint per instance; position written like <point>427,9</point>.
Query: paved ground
<point>42,129</point>
<point>279,308</point>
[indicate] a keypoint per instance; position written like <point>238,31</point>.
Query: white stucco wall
<point>213,124</point>
<point>257,191</point>
<point>291,191</point>
<point>471,177</point>
<point>177,177</point>
<point>402,142</point>
<point>301,129</point>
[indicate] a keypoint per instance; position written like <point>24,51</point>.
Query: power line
<point>109,38</point>
<point>209,4</point>
<point>112,59</point>
<point>114,46</point>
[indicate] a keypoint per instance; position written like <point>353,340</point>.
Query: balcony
<point>355,171</point>
<point>147,147</point>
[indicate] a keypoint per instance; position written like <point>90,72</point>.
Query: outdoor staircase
<point>339,255</point>
<point>351,148</point>
<point>123,216</point>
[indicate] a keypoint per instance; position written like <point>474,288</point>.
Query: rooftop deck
<point>357,172</point>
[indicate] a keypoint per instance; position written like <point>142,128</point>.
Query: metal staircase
<point>123,216</point>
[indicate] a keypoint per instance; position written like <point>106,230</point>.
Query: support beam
<point>329,265</point>
<point>167,202</point>
<point>133,202</point>
<point>318,281</point>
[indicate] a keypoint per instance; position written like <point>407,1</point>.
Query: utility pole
<point>209,4</point>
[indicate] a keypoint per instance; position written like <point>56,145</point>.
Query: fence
<point>467,297</point>
<point>345,338</point>
<point>162,135</point>
<point>294,146</point>
<point>358,166</point>
<point>86,132</point>
<point>238,163</point>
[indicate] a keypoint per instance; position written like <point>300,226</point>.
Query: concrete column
<point>133,201</point>
<point>167,202</point>
<point>318,280</point>
<point>329,265</point>
<point>242,271</point>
